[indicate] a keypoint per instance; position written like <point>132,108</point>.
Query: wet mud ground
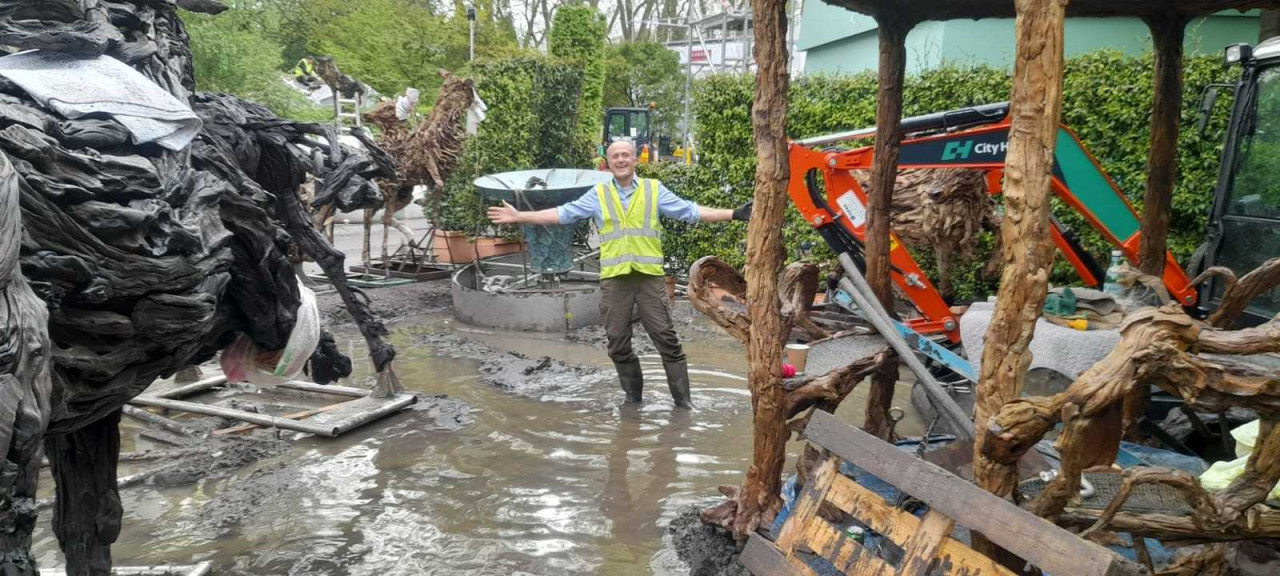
<point>518,459</point>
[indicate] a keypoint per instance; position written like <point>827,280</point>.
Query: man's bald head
<point>618,144</point>
<point>620,156</point>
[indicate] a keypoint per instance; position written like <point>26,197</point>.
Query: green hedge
<point>531,123</point>
<point>1107,102</point>
<point>577,36</point>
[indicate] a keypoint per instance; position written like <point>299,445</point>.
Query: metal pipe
<point>164,437</point>
<point>357,420</point>
<point>582,273</point>
<point>189,389</point>
<point>857,287</point>
<point>578,260</point>
<point>121,483</point>
<point>202,569</point>
<point>143,456</point>
<point>324,389</point>
<point>157,420</point>
<point>838,137</point>
<point>263,419</point>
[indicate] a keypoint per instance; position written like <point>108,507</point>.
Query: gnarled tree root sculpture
<point>717,290</point>
<point>1162,347</point>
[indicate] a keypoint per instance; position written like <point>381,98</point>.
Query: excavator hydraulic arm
<point>825,191</point>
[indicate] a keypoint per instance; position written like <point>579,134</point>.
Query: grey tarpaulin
<point>1063,350</point>
<point>76,86</point>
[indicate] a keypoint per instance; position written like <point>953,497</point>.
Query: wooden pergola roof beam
<point>972,9</point>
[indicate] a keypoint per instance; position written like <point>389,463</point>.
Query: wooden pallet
<point>807,539</point>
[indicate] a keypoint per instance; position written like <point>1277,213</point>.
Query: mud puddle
<point>531,467</point>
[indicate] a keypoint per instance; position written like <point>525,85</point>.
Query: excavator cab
<point>1244,222</point>
<point>632,124</point>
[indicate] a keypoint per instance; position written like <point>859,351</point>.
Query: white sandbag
<point>242,361</point>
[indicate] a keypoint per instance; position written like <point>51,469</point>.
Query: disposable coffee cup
<point>796,355</point>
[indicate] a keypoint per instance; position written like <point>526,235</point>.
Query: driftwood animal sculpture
<point>717,290</point>
<point>1198,362</point>
<point>425,155</point>
<point>24,385</point>
<point>944,210</point>
<point>147,259</point>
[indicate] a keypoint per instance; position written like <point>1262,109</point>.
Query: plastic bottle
<point>1112,284</point>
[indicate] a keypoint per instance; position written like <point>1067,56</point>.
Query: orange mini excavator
<point>825,191</point>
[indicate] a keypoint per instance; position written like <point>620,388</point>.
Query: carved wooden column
<point>758,500</point>
<point>893,30</point>
<point>1028,252</point>
<point>1162,159</point>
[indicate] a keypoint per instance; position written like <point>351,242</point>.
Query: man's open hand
<point>504,214</point>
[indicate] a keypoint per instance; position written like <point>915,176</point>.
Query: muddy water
<point>555,481</point>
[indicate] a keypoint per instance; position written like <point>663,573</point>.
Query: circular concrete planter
<point>575,305</point>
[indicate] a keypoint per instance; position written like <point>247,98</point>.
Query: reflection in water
<point>632,498</point>
<point>560,485</point>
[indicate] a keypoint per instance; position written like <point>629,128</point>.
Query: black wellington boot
<point>632,378</point>
<point>678,382</point>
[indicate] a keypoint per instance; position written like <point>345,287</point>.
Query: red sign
<point>698,55</point>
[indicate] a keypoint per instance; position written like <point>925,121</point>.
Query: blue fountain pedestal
<point>550,251</point>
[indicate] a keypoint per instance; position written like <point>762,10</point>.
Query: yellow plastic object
<point>1222,474</point>
<point>1081,324</point>
<point>1246,436</point>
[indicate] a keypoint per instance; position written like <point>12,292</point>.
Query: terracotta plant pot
<point>489,246</point>
<point>452,247</point>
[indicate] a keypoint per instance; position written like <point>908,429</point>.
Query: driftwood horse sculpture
<point>425,155</point>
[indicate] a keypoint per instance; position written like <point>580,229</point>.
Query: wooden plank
<point>1049,547</point>
<point>922,549</point>
<point>846,554</point>
<point>872,510</point>
<point>898,526</point>
<point>808,503</point>
<point>762,558</point>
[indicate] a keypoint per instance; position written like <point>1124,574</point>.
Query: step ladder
<point>346,112</point>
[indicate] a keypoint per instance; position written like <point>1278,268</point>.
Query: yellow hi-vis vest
<point>631,239</point>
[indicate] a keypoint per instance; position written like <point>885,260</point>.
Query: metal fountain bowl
<point>540,189</point>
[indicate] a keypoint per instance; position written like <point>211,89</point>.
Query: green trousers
<point>620,298</point>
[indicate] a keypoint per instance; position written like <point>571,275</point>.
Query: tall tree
<point>640,73</point>
<point>238,52</point>
<point>396,44</point>
<point>577,36</point>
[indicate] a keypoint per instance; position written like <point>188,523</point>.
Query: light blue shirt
<point>588,205</point>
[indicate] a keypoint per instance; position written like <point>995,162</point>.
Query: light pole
<point>471,23</point>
